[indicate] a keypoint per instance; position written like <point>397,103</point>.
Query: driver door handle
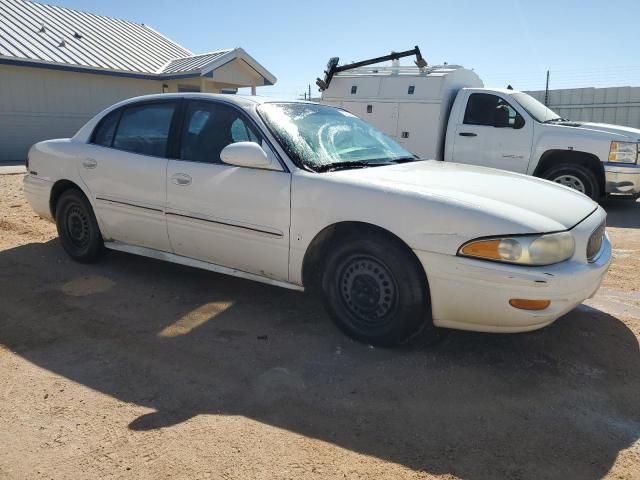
<point>468,134</point>
<point>89,163</point>
<point>181,179</point>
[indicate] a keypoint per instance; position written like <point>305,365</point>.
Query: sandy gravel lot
<point>133,368</point>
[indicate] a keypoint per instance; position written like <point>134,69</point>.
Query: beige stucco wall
<point>38,104</point>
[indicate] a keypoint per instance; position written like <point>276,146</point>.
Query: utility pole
<point>546,92</point>
<point>309,92</point>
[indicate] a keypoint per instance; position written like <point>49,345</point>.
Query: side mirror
<point>519,122</point>
<point>246,154</point>
<point>501,117</point>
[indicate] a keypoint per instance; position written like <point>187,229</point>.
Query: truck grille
<point>595,242</point>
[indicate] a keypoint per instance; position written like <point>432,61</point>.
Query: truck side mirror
<point>501,117</point>
<point>518,122</point>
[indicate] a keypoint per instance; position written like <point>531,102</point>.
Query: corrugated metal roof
<point>45,33</point>
<point>192,63</point>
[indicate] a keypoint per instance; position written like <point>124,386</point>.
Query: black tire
<point>77,227</point>
<point>375,290</point>
<point>578,177</point>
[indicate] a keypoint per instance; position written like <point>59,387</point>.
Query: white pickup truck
<point>443,112</point>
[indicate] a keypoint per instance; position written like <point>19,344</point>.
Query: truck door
<point>493,133</point>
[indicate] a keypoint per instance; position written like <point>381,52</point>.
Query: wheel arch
<point>58,189</point>
<point>321,244</point>
<point>576,157</point>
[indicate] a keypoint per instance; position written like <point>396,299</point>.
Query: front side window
<point>209,127</point>
<point>144,129</point>
<point>326,138</point>
<point>481,110</point>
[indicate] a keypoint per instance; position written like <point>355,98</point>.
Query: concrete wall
<point>617,105</point>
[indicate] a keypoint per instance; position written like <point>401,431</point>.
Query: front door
<point>479,140</point>
<point>125,169</point>
<point>232,216</point>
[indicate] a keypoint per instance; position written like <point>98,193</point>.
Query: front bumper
<point>622,179</point>
<point>471,294</point>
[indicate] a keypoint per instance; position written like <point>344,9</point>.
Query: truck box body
<point>409,104</point>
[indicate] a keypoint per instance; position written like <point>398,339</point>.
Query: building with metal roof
<point>59,67</point>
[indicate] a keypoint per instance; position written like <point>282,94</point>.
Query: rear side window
<point>144,129</point>
<point>103,135</point>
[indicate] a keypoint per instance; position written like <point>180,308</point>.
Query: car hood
<point>632,134</point>
<point>535,205</point>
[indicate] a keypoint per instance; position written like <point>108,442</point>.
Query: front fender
<point>567,138</point>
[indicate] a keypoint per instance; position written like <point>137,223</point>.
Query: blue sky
<point>582,43</point>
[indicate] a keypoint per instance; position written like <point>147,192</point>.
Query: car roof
<point>240,100</point>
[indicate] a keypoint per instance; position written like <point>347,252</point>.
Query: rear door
<point>237,217</point>
<point>479,141</point>
<point>125,170</point>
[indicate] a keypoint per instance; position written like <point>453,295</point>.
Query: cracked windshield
<point>325,138</point>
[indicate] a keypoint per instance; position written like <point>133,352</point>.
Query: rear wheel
<point>78,228</point>
<point>577,177</point>
<point>375,291</point>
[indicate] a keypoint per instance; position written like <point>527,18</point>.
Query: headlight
<point>623,152</point>
<point>523,250</point>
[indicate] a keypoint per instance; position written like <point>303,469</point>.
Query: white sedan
<point>307,196</point>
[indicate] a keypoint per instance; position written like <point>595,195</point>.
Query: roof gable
<point>46,33</point>
<point>39,35</point>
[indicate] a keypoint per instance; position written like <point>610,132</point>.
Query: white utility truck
<point>444,112</point>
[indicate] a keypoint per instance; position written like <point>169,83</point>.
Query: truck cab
<point>444,112</point>
<point>511,130</point>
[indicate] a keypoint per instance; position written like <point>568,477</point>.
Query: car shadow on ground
<point>622,213</point>
<point>557,403</point>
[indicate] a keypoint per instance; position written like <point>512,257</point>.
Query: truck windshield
<point>536,109</point>
<point>324,138</point>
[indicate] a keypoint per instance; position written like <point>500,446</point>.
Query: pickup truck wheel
<point>374,290</point>
<point>578,177</point>
<point>78,228</point>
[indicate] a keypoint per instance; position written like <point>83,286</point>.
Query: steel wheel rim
<point>571,181</point>
<point>368,291</point>
<point>77,223</point>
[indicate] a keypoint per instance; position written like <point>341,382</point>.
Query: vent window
<point>354,89</point>
<point>369,108</point>
<point>412,88</point>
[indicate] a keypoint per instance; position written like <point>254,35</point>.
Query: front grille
<point>595,242</point>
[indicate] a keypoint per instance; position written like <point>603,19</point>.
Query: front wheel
<point>577,177</point>
<point>375,290</point>
<point>78,228</point>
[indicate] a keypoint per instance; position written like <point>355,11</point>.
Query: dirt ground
<point>134,368</point>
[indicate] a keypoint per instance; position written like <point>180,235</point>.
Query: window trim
<point>120,110</point>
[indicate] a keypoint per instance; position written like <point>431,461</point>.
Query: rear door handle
<point>89,163</point>
<point>181,179</point>
<point>468,134</point>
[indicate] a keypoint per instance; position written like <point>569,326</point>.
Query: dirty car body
<point>301,196</point>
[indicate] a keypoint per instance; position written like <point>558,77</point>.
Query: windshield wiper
<point>558,119</point>
<point>412,158</point>
<point>332,167</point>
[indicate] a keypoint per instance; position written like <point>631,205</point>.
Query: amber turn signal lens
<point>523,304</point>
<point>483,249</point>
